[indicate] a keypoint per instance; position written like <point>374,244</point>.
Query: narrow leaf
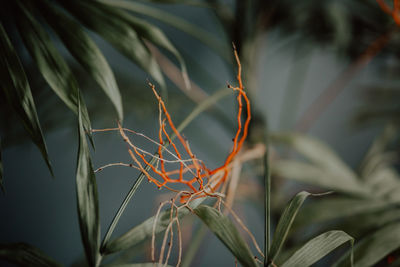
<point>374,247</point>
<point>157,37</point>
<point>106,21</point>
<point>317,248</point>
<point>144,230</point>
<point>84,50</point>
<point>87,199</point>
<point>26,255</point>
<point>169,19</point>
<point>49,61</point>
<point>317,152</point>
<point>284,224</point>
<point>146,264</point>
<point>314,175</point>
<point>15,85</point>
<point>225,230</point>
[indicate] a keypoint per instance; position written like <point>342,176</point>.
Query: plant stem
<point>267,197</point>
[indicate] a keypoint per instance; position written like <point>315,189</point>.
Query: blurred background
<point>326,69</point>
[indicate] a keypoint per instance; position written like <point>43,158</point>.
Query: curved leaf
<point>144,230</point>
<point>26,255</point>
<point>284,224</point>
<point>145,264</point>
<point>84,50</point>
<point>107,22</point>
<point>185,26</point>
<point>224,229</point>
<point>311,174</point>
<point>49,61</point>
<point>317,152</point>
<point>15,85</point>
<point>317,248</point>
<point>374,247</point>
<point>87,198</point>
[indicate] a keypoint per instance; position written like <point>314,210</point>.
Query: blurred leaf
<point>311,174</point>
<point>107,22</point>
<point>317,248</point>
<point>146,264</point>
<point>84,50</point>
<point>226,231</point>
<point>374,247</point>
<point>317,152</point>
<point>156,36</point>
<point>321,210</point>
<point>15,85</point>
<point>1,171</point>
<point>185,26</point>
<point>144,230</point>
<point>87,199</point>
<point>25,255</point>
<point>49,61</point>
<point>284,224</point>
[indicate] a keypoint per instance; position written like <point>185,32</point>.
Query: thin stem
<point>267,197</point>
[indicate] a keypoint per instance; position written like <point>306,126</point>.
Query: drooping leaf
<point>87,198</point>
<point>317,248</point>
<point>157,37</point>
<point>317,152</point>
<point>225,230</point>
<point>176,22</point>
<point>106,21</point>
<point>374,247</point>
<point>84,50</point>
<point>314,175</point>
<point>321,210</point>
<point>26,255</point>
<point>144,230</point>
<point>146,264</point>
<point>49,61</point>
<point>15,85</point>
<point>284,224</point>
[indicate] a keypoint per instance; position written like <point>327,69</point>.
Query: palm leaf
<point>85,51</point>
<point>225,230</point>
<point>87,199</point>
<point>16,88</point>
<point>49,61</point>
<point>107,22</point>
<point>26,255</point>
<point>317,248</point>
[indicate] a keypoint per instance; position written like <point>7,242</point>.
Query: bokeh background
<point>295,55</point>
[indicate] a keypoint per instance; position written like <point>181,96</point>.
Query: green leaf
<point>87,199</point>
<point>374,247</point>
<point>15,85</point>
<point>144,230</point>
<point>25,255</point>
<point>317,248</point>
<point>225,230</point>
<point>1,172</point>
<point>84,50</point>
<point>311,174</point>
<point>157,37</point>
<point>284,224</point>
<point>321,210</point>
<point>49,61</point>
<point>107,22</point>
<point>317,152</point>
<point>146,264</point>
<point>185,26</point>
